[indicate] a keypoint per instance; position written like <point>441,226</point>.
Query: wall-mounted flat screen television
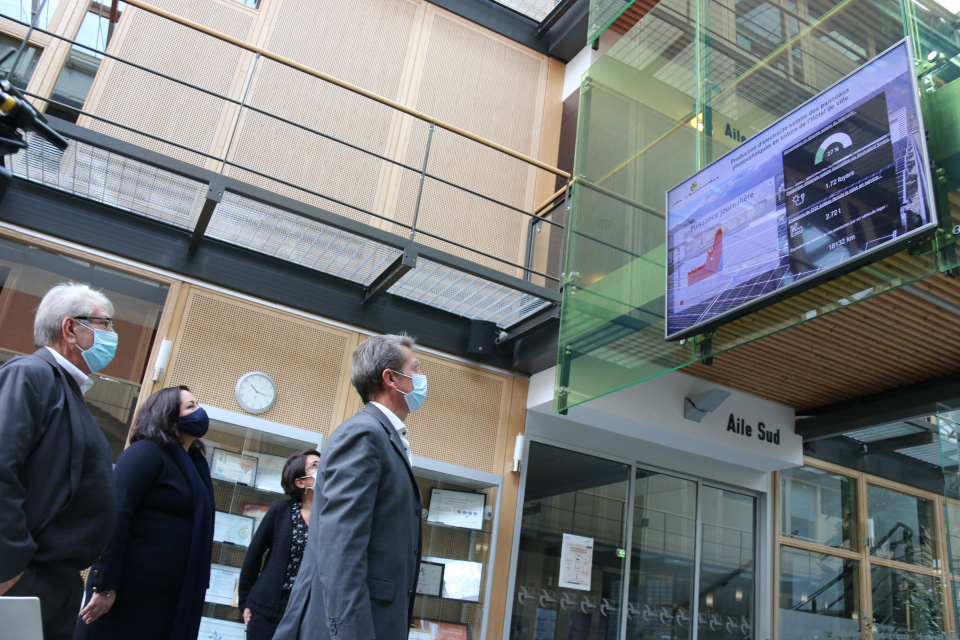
<point>841,181</point>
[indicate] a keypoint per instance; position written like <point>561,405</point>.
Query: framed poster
<point>269,471</point>
<point>231,528</point>
<point>457,508</point>
<point>211,628</point>
<point>461,579</point>
<point>576,562</point>
<point>430,579</point>
<point>442,630</point>
<point>223,585</point>
<point>255,511</point>
<point>233,467</point>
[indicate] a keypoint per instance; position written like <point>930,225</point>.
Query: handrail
<point>546,203</point>
<point>343,84</point>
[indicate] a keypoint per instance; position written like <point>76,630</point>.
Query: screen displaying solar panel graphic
<point>839,182</point>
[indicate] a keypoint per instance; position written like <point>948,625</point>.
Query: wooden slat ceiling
<point>888,341</point>
<point>632,15</point>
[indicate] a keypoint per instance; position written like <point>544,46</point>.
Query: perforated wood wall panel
<point>161,107</point>
<point>367,43</point>
<point>221,338</point>
<point>464,411</point>
<point>484,84</point>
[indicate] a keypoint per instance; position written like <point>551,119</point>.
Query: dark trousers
<point>263,627</point>
<point>60,597</point>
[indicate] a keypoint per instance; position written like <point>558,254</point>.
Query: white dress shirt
<point>83,380</point>
<point>402,430</point>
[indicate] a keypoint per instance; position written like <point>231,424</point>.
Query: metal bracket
<point>389,276</point>
<point>214,195</point>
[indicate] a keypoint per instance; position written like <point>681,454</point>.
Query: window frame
<point>940,571</point>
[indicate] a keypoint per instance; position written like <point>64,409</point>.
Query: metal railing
<point>545,214</point>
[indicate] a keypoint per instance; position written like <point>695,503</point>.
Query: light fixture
<point>517,452</point>
<point>697,407</point>
<point>870,533</point>
<point>162,358</point>
<point>739,594</point>
<point>709,600</point>
<point>803,598</point>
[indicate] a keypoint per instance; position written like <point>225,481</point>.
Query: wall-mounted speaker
<point>482,337</point>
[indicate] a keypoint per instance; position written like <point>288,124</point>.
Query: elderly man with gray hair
<point>56,479</point>
<point>360,568</point>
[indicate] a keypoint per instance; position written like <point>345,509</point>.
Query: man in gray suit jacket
<point>56,480</point>
<point>360,567</point>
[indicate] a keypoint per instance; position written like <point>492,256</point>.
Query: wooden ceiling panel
<point>891,340</point>
<point>632,15</point>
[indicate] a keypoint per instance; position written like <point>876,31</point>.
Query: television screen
<point>840,181</point>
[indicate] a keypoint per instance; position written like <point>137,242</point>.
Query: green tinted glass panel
<point>687,84</point>
<point>819,596</point>
<point>903,527</point>
<point>817,506</point>
<point>603,13</point>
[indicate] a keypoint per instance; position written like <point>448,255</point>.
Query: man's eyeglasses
<point>100,322</point>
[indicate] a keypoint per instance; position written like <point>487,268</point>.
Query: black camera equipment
<point>16,117</point>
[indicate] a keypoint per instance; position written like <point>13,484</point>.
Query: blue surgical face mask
<point>104,348</point>
<point>415,398</point>
<point>195,424</point>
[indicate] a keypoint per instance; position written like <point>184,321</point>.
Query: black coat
<point>260,588</point>
<point>56,489</point>
<point>145,559</point>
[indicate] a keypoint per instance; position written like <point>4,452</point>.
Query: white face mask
<point>312,475</point>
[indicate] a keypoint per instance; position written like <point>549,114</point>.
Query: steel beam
<point>389,276</point>
<point>901,442</point>
<point>532,323</point>
<point>155,244</point>
<point>911,401</point>
<point>214,195</point>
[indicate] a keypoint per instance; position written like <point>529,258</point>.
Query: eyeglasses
<point>105,323</point>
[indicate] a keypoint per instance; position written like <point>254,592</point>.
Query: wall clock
<point>256,392</point>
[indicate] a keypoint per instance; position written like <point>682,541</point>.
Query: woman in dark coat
<point>151,579</point>
<point>282,535</point>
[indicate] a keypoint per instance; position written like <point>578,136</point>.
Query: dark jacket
<point>56,487</point>
<point>360,566</point>
<point>260,588</point>
<point>145,560</point>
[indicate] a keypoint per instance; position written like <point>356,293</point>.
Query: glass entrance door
<point>690,549</point>
<point>570,497</point>
<point>662,558</point>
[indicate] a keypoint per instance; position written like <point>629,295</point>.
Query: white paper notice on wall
<point>576,562</point>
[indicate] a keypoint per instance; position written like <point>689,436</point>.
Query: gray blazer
<point>360,567</point>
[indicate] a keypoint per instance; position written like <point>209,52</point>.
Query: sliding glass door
<point>662,558</point>
<point>687,550</point>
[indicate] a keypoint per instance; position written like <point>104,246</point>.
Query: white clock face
<point>256,392</point>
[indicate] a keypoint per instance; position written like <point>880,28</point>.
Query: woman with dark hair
<point>151,579</point>
<point>282,534</point>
